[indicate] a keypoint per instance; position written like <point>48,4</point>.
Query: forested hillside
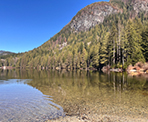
<point>4,55</point>
<point>117,35</point>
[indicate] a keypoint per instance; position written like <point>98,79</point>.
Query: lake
<point>32,95</point>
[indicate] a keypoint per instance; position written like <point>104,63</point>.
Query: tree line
<point>118,41</point>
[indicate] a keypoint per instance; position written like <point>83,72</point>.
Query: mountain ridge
<point>2,52</point>
<point>91,15</point>
<point>96,36</point>
<point>90,21</point>
<point>68,28</point>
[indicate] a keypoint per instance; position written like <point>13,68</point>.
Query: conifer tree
<point>103,49</point>
<point>134,48</point>
<point>124,46</point>
<point>144,43</point>
<point>112,44</point>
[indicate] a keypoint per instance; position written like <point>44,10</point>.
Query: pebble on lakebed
<point>99,118</point>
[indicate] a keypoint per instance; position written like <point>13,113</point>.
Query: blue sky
<point>27,24</point>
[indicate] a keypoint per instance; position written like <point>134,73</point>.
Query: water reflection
<point>80,92</point>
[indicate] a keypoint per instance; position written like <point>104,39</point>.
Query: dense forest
<point>121,39</point>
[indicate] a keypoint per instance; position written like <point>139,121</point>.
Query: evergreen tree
<point>144,43</point>
<point>112,44</point>
<point>134,48</point>
<point>103,50</point>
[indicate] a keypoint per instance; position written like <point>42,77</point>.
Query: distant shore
<point>7,67</point>
<point>138,69</point>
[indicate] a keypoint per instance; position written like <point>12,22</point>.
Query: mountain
<point>137,5</point>
<point>5,52</point>
<point>95,13</point>
<point>92,15</point>
<point>114,33</point>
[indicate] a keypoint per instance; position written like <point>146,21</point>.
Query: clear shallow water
<point>49,93</point>
<point>20,102</point>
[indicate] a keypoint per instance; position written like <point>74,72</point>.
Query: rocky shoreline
<point>99,118</point>
<point>104,112</point>
<point>137,70</point>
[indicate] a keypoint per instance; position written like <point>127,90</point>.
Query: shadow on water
<point>80,92</point>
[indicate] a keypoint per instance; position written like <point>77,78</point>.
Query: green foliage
<point>118,42</point>
<point>144,43</point>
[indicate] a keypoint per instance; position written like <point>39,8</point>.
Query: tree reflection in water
<point>80,92</point>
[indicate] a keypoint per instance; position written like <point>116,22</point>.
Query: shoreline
<point>93,97</point>
<point>104,112</point>
<point>99,118</point>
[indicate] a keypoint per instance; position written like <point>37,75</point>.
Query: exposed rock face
<point>95,13</point>
<point>92,15</point>
<point>140,5</point>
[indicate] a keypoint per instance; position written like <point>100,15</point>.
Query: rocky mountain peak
<point>95,13</point>
<point>91,15</point>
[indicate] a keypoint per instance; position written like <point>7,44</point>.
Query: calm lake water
<point>31,95</point>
